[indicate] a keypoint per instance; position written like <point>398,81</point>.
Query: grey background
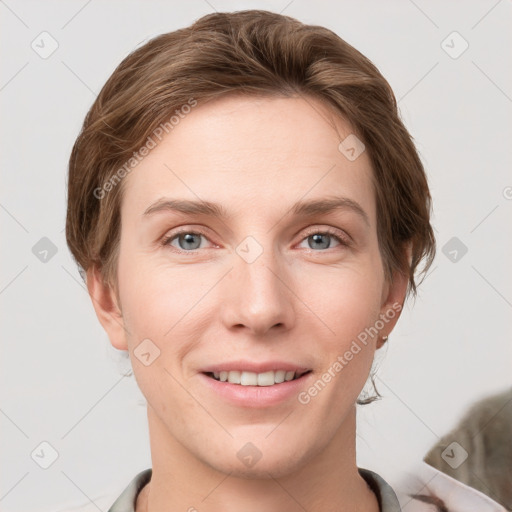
<point>63,383</point>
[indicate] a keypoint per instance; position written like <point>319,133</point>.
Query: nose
<point>257,295</point>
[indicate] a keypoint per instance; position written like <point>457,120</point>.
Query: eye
<point>321,239</point>
<point>188,241</point>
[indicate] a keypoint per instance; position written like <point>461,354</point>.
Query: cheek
<point>153,298</point>
<point>158,327</point>
<point>349,307</point>
<point>164,316</point>
<point>346,353</point>
<point>355,313</point>
<point>349,301</point>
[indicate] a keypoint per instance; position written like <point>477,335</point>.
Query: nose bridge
<point>259,297</point>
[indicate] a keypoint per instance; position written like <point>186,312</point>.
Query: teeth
<point>279,376</point>
<point>266,379</point>
<point>289,375</point>
<point>255,379</point>
<point>234,377</point>
<point>249,378</point>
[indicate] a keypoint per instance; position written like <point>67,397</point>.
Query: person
<point>250,214</point>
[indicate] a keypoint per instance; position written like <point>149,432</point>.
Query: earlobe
<point>107,310</point>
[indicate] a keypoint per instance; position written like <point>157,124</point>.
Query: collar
<point>388,501</point>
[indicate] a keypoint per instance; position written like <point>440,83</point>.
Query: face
<point>262,280</point>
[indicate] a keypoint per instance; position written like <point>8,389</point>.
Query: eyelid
<point>343,237</point>
<point>183,229</point>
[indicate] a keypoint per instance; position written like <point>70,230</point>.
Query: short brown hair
<point>250,52</point>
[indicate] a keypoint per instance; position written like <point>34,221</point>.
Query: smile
<point>245,378</point>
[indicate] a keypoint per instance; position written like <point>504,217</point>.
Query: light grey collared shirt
<point>388,501</point>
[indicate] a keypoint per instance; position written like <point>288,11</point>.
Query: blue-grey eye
<point>321,240</point>
<point>187,241</point>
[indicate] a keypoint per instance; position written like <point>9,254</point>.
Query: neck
<point>181,481</point>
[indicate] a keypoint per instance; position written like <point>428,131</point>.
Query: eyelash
<point>343,240</point>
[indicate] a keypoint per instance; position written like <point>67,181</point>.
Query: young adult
<point>250,213</point>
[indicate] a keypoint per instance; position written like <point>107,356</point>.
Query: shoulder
<point>404,496</point>
<point>95,503</point>
<point>124,502</point>
<point>425,480</point>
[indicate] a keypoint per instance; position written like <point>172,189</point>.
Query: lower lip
<point>256,396</point>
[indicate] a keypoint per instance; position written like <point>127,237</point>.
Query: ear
<point>107,309</point>
<point>393,299</point>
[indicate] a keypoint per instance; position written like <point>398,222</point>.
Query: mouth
<point>264,379</point>
<point>260,389</point>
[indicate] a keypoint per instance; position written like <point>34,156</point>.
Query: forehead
<point>252,152</point>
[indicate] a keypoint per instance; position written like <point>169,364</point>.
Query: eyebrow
<point>299,209</point>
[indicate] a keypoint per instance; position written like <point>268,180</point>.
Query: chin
<point>254,457</point>
<point>277,466</point>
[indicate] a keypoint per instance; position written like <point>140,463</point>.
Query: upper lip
<point>253,366</point>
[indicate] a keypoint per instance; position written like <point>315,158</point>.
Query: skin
<point>301,300</point>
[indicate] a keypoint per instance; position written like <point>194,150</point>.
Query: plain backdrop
<point>62,382</point>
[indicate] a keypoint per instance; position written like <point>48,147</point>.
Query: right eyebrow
<point>187,206</point>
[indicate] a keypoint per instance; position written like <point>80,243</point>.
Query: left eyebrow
<point>328,205</point>
<point>299,209</point>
